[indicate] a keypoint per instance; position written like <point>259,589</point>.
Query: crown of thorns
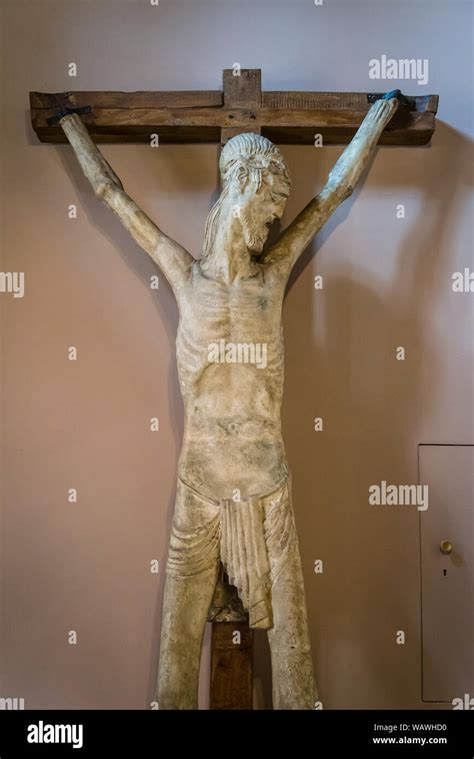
<point>254,152</point>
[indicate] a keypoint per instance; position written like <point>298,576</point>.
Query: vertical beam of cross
<point>232,642</point>
<point>243,90</point>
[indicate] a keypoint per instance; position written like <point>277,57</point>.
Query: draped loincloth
<point>239,533</point>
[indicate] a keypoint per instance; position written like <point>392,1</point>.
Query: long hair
<point>248,156</point>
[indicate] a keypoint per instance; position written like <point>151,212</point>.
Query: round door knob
<point>446,546</point>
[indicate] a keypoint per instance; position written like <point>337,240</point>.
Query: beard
<point>255,234</point>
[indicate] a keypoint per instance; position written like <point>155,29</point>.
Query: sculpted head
<point>255,188</point>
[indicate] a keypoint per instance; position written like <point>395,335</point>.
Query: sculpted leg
<point>191,574</point>
<point>292,665</point>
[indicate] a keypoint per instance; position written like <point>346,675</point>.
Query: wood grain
<point>203,116</point>
<point>231,666</point>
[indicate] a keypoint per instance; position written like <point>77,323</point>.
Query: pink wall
<point>85,424</point>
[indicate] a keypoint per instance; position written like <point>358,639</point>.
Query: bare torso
<point>230,363</point>
<point>232,437</point>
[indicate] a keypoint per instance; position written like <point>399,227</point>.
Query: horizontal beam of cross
<point>202,116</point>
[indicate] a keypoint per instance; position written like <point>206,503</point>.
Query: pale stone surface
<point>234,494</point>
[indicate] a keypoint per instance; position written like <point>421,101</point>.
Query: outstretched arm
<point>173,260</point>
<point>340,184</point>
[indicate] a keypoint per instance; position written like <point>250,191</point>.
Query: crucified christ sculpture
<point>233,502</point>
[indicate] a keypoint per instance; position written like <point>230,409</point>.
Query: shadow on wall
<point>374,412</point>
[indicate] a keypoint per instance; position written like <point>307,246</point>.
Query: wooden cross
<point>294,117</point>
